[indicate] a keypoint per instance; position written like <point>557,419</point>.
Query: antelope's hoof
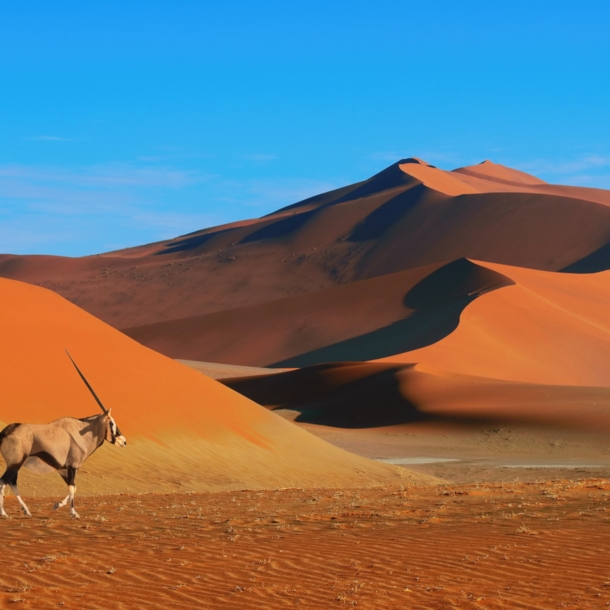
<point>56,506</point>
<point>4,515</point>
<point>75,515</point>
<point>26,512</point>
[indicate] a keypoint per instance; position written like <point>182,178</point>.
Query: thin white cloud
<point>175,223</point>
<point>261,157</point>
<point>269,195</point>
<point>51,139</point>
<point>78,210</point>
<point>583,163</point>
<point>150,158</point>
<point>97,176</point>
<point>592,170</point>
<point>47,208</point>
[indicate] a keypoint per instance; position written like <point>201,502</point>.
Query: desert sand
<point>505,545</point>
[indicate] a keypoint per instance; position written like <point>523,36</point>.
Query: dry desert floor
<point>539,544</point>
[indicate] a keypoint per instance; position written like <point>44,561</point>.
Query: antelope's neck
<point>98,434</point>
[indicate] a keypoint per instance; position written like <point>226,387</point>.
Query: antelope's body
<point>61,446</point>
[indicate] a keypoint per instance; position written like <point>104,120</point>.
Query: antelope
<point>61,446</point>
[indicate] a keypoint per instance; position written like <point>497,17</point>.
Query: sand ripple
<point>541,545</point>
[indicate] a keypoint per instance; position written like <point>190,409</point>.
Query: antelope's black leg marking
<point>2,486</point>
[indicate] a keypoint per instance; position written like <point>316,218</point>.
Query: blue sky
<point>128,122</point>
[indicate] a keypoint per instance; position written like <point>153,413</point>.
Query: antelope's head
<point>113,434</point>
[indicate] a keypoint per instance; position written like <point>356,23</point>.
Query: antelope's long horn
<point>99,402</point>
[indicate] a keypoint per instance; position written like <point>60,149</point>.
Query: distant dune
<point>410,215</point>
<point>362,320</point>
<point>185,431</point>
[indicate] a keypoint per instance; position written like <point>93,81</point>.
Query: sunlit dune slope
<point>547,328</point>
<point>407,216</point>
<point>358,321</point>
<point>371,394</point>
<point>185,430</point>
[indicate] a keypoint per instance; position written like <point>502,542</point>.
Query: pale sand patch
<point>216,370</point>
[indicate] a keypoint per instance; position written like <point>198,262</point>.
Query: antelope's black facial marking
<point>115,434</point>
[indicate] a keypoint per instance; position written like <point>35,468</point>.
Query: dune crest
<point>546,328</point>
<point>496,172</point>
<point>437,179</point>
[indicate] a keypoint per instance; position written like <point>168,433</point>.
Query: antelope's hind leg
<point>64,475</point>
<point>12,481</point>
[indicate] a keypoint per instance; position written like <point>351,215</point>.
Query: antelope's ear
<point>109,411</point>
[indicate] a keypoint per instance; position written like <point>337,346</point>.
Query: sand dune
<point>407,216</point>
<point>472,318</point>
<point>533,348</point>
<point>358,321</point>
<point>546,328</point>
<point>185,431</point>
<point>367,394</point>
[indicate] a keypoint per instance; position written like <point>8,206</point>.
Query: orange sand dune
<point>487,170</point>
<point>409,215</point>
<point>533,347</point>
<point>547,328</point>
<point>488,177</point>
<point>358,321</point>
<point>185,431</point>
<point>371,394</point>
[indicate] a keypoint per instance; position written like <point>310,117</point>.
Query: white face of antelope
<point>116,438</point>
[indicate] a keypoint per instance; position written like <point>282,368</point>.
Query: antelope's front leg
<point>70,480</point>
<point>62,503</point>
<point>68,475</point>
<point>71,492</point>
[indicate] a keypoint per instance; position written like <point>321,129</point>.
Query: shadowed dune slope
<point>370,394</point>
<point>358,321</point>
<point>547,328</point>
<point>185,430</point>
<point>409,215</point>
<point>534,351</point>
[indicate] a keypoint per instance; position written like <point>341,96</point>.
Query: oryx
<point>62,446</point>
